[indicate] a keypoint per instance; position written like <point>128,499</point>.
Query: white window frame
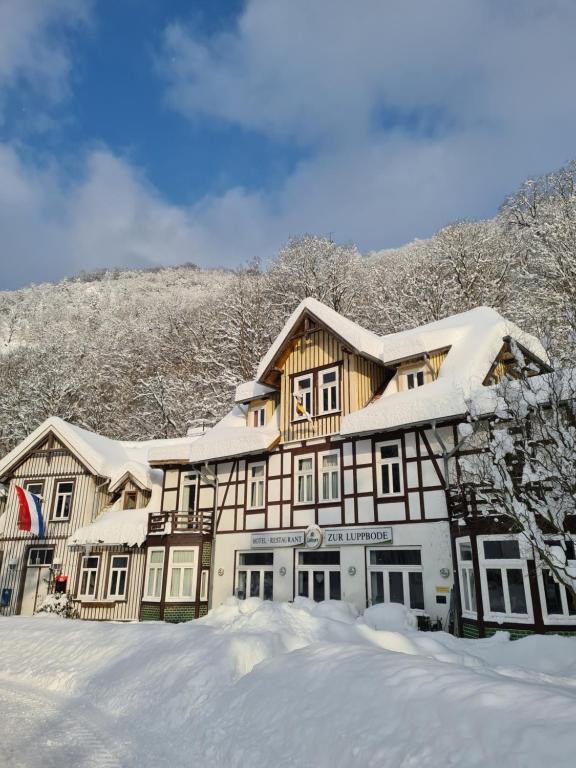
<point>258,416</point>
<point>329,471</point>
<point>554,618</point>
<point>380,462</point>
<point>465,573</point>
<point>295,415</point>
<point>261,569</point>
<point>298,474</point>
<point>259,480</point>
<point>520,563</point>
<point>204,581</point>
<point>120,596</point>
<point>188,479</point>
<point>194,567</point>
<point>413,372</point>
<point>405,570</point>
<point>29,562</point>
<point>331,385</point>
<point>57,495</point>
<point>148,598</point>
<point>88,595</point>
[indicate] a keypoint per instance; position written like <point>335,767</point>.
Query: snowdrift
<point>300,685</point>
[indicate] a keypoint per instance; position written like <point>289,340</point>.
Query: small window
<point>188,492</point>
<point>118,576</point>
<point>63,500</point>
<point>181,574</point>
<point>40,556</point>
<point>36,489</point>
<point>305,479</point>
<point>302,397</point>
<point>88,576</point>
<point>502,549</point>
<point>395,557</point>
<point>256,558</point>
<point>389,459</point>
<point>328,386</point>
<point>259,416</point>
<point>154,574</point>
<point>256,479</point>
<point>330,476</point>
<point>467,579</point>
<point>130,499</point>
<point>319,557</point>
<point>204,585</point>
<point>414,379</point>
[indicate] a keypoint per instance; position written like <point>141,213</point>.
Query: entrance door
<point>255,575</point>
<point>318,575</point>
<point>36,579</point>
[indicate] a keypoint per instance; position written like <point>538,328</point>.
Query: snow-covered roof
<point>104,457</point>
<point>231,437</point>
<point>474,339</point>
<point>251,390</point>
<point>363,341</point>
<point>114,526</point>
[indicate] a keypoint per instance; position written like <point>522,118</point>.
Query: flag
<point>300,408</point>
<point>30,512</point>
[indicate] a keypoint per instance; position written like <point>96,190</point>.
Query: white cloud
<point>413,113</point>
<point>33,45</point>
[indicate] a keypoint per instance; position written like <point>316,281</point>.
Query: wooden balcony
<point>161,523</point>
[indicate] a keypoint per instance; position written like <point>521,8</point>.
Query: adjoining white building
<point>328,479</point>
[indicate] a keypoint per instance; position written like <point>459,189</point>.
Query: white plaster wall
<point>433,538</point>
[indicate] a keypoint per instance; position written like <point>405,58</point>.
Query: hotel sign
<point>315,537</point>
<point>337,537</point>
<point>277,539</point>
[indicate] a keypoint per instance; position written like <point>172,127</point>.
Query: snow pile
<point>114,526</point>
<point>389,616</point>
<point>299,685</point>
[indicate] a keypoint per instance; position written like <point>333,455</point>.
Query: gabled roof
<point>251,390</point>
<point>474,339</point>
<point>102,456</point>
<point>357,338</point>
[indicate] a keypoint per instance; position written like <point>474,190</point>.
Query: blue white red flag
<point>30,512</point>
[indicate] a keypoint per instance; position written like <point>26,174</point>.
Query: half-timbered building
<point>329,477</point>
<point>96,495</point>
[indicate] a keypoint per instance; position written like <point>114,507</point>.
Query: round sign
<point>313,537</point>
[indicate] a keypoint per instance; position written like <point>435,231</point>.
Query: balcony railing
<point>160,523</point>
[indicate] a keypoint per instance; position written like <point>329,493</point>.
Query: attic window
<point>302,397</point>
<point>328,394</point>
<point>259,416</point>
<point>130,499</point>
<point>414,379</point>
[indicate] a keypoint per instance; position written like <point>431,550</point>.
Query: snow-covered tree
<point>524,474</point>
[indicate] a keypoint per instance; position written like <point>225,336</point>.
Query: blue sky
<point>150,132</point>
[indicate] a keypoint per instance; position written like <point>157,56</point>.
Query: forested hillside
<point>138,354</point>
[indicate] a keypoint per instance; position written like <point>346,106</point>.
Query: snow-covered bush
<point>59,604</point>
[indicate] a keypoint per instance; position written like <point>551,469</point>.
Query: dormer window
<point>259,416</point>
<point>130,499</point>
<point>413,378</point>
<point>302,397</point>
<point>328,390</point>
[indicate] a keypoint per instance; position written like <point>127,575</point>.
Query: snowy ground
<point>272,685</point>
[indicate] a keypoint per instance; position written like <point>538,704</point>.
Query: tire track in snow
<point>43,729</point>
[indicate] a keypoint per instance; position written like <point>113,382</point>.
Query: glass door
<point>255,575</point>
<point>318,575</point>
